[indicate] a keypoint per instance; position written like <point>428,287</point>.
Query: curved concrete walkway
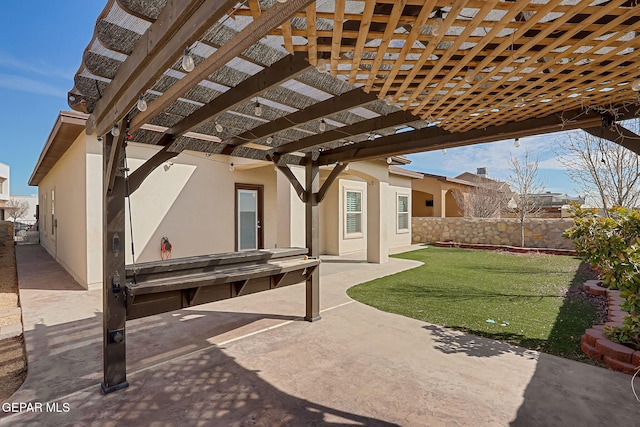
<point>251,361</point>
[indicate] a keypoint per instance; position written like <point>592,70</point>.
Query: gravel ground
<point>13,362</point>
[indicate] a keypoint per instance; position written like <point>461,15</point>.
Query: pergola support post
<point>312,228</point>
<point>113,276</point>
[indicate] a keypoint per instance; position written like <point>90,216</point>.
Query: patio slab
<point>253,361</point>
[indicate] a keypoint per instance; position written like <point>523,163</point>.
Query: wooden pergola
<point>321,83</point>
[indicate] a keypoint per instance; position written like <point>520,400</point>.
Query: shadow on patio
<point>176,377</point>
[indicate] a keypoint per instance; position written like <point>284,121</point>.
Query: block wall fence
<point>539,232</point>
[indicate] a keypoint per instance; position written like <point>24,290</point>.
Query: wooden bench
<point>161,286</point>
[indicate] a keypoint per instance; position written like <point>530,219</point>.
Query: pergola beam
<point>252,33</point>
<point>621,136</point>
<point>179,25</point>
<point>285,69</point>
<point>364,126</point>
<point>333,105</point>
<point>432,138</point>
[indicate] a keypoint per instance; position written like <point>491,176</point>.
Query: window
<point>353,221</point>
<point>53,212</point>
<point>403,212</point>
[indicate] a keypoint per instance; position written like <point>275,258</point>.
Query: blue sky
<point>41,45</point>
<point>495,157</point>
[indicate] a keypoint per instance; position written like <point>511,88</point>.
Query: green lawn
<point>461,289</point>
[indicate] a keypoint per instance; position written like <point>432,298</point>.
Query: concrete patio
<point>252,361</point>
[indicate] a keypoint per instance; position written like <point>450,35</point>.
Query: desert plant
<point>612,245</point>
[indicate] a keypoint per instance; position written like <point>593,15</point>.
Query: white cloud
<point>38,67</point>
<point>25,84</point>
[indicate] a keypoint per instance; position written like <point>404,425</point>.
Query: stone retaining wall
<point>539,232</point>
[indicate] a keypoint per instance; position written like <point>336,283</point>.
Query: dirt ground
<point>13,362</point>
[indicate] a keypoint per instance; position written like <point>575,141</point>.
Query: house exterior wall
<point>398,237</point>
<point>440,193</point>
<point>191,202</point>
<point>354,242</point>
<point>63,218</point>
<point>4,183</point>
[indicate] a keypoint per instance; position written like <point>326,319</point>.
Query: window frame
<point>353,234</point>
<point>398,213</point>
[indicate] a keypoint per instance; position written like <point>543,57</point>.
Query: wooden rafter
<point>249,35</point>
<point>524,50</point>
<point>416,30</point>
<point>287,68</point>
<point>334,105</point>
<point>179,24</point>
<point>337,35</point>
<point>365,23</point>
<point>620,135</point>
<point>359,128</point>
<point>396,12</point>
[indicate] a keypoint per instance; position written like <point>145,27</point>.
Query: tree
<point>604,170</point>
<point>526,185</point>
<point>480,201</point>
<point>16,208</point>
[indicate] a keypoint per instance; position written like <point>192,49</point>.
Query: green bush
<point>612,246</point>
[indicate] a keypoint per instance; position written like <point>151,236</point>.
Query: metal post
<point>312,226</point>
<point>113,276</point>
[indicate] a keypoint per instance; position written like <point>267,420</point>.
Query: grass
<point>457,288</point>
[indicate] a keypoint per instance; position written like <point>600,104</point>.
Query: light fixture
<point>282,1</point>
<point>437,29</point>
<point>516,143</point>
<point>258,109</point>
<point>444,151</point>
<point>346,167</point>
<point>470,76</point>
<point>219,127</point>
<point>231,167</point>
<point>520,102</point>
<point>321,65</point>
<point>167,165</point>
<point>270,140</point>
<point>635,85</point>
<point>323,126</point>
<point>187,61</point>
<point>371,136</point>
<point>142,104</point>
<point>115,130</point>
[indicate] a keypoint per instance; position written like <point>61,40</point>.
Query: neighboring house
<point>29,217</point>
<point>433,195</point>
<point>4,189</point>
<point>191,200</point>
<point>555,205</point>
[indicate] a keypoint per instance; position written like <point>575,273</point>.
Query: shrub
<point>612,246</point>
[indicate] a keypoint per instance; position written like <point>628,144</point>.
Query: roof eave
<point>70,124</point>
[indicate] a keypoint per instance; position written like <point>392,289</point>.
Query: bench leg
<point>313,297</point>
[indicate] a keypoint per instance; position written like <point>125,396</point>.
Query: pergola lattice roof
<point>487,71</point>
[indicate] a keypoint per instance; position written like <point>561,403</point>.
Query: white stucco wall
<point>5,187</point>
<point>63,234</point>
<point>191,202</point>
